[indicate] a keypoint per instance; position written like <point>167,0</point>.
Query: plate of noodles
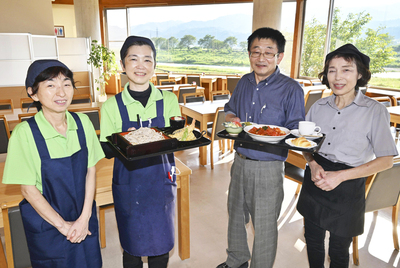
<point>267,133</point>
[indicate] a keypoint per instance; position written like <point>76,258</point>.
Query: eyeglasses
<point>267,55</point>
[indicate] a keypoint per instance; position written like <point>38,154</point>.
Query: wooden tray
<point>245,138</point>
<point>130,152</point>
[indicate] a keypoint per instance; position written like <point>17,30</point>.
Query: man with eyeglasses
<point>264,96</point>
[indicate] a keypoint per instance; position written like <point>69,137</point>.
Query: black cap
<point>131,39</point>
<point>349,49</point>
<point>39,66</point>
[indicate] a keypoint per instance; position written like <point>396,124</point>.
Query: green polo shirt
<point>23,164</point>
<point>111,121</point>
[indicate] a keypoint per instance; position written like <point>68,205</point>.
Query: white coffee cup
<point>308,128</point>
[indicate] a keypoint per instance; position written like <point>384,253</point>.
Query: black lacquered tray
<point>136,152</point>
<point>245,138</point>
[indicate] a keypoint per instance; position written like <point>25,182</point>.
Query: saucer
<point>314,136</point>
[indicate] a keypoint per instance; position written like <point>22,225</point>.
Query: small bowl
<point>232,130</point>
<point>177,122</point>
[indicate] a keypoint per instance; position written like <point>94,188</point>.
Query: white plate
<point>270,139</point>
<point>289,142</point>
<point>296,133</point>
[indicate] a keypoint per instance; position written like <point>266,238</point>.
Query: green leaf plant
<point>102,58</point>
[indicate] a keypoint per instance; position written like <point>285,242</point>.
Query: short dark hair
<point>134,40</point>
<point>47,74</point>
<point>361,69</point>
<point>268,33</point>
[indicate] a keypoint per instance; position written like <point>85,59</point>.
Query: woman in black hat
<point>358,143</point>
<point>144,190</point>
<point>53,156</point>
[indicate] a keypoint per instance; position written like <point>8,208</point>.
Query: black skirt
<point>340,211</point>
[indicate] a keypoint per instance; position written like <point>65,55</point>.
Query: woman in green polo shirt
<point>144,190</point>
<point>53,156</point>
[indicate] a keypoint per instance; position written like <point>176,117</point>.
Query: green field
<point>228,58</point>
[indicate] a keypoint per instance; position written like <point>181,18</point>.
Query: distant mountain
<point>238,26</point>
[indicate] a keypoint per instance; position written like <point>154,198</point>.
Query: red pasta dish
<point>267,131</point>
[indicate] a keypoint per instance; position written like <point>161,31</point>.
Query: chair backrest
<point>81,98</point>
<point>311,97</point>
<point>25,116</point>
<point>124,79</point>
<point>194,99</point>
<point>4,134</point>
<point>161,76</point>
<point>168,81</point>
<point>26,103</point>
<point>385,100</point>
<point>183,90</point>
<point>193,78</point>
<point>7,105</point>
<point>18,239</point>
<point>170,89</point>
<point>217,125</point>
<point>94,115</point>
<point>231,83</point>
<point>385,189</point>
<point>221,97</point>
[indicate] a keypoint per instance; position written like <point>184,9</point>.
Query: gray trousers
<point>256,190</point>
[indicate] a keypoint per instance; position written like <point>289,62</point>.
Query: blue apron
<point>63,181</point>
<point>144,196</point>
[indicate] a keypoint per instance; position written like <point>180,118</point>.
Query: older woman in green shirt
<point>53,156</point>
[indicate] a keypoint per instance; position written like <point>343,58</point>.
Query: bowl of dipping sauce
<point>177,122</point>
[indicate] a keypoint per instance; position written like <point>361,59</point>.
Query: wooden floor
<point>209,221</point>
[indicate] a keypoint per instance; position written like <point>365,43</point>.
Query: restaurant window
<point>116,29</point>
<point>287,28</point>
<point>370,25</point>
<point>191,39</point>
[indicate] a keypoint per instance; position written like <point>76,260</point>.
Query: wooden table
<point>10,196</point>
<point>212,82</point>
<point>12,118</point>
<point>179,78</point>
<point>203,112</point>
<point>176,87</point>
<point>394,112</point>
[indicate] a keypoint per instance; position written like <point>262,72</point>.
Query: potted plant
<point>103,59</point>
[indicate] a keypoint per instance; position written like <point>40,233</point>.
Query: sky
<point>181,13</point>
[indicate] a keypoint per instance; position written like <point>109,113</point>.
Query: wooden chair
<point>315,82</point>
<point>388,101</point>
<point>311,97</point>
<point>170,89</point>
<point>7,106</point>
<point>190,78</point>
<point>382,191</point>
<point>194,97</point>
<point>295,174</point>
<point>94,115</point>
<point>15,241</point>
<point>124,80</point>
<point>25,116</point>
<point>185,89</point>
<point>161,76</point>
<point>81,99</point>
<point>212,132</point>
<point>4,134</point>
<point>168,81</point>
<point>220,95</point>
<point>231,83</point>
<point>26,103</point>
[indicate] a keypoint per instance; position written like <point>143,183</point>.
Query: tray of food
<point>270,135</point>
<point>147,142</point>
